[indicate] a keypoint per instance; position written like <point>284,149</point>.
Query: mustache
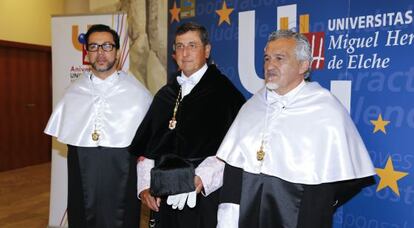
<point>271,74</point>
<point>100,58</point>
<point>108,66</point>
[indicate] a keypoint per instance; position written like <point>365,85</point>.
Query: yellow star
<point>175,12</point>
<point>380,124</point>
<point>389,177</point>
<point>224,14</point>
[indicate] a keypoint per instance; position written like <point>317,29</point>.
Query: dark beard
<point>109,66</point>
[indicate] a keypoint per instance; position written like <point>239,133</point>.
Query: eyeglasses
<point>190,46</point>
<point>105,46</point>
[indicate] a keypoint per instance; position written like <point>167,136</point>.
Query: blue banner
<point>363,52</point>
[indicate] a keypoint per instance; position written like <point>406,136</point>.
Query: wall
<point>28,21</point>
<point>100,5</point>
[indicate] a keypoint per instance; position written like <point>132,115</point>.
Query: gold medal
<point>95,136</point>
<point>260,154</point>
<point>172,124</point>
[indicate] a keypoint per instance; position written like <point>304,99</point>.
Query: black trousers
<point>102,190</point>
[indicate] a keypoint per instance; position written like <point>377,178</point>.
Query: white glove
<point>178,200</point>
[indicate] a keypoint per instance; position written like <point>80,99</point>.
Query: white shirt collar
<point>110,79</point>
<point>102,85</point>
<point>272,96</point>
<point>196,77</point>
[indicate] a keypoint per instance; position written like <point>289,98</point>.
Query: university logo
<point>79,43</point>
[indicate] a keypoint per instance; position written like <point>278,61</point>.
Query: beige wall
<point>102,5</point>
<point>76,6</point>
<point>28,21</point>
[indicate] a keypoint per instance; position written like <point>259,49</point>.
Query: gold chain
<point>173,121</point>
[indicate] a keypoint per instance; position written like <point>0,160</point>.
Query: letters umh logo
<point>287,19</point>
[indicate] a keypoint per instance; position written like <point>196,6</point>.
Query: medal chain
<point>173,122</point>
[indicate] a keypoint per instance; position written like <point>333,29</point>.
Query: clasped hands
<point>177,201</point>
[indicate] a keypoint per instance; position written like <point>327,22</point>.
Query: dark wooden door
<point>25,104</point>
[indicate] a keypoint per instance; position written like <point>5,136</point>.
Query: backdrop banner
<point>363,52</point>
<point>69,62</point>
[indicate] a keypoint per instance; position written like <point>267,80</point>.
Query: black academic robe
<point>203,118</point>
<point>102,188</point>
<point>267,201</point>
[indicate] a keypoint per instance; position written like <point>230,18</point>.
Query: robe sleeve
<point>144,174</point>
<point>211,173</point>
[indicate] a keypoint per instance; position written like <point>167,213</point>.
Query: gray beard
<point>272,86</point>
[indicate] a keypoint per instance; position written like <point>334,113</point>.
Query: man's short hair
<point>102,28</point>
<point>303,49</point>
<point>192,26</point>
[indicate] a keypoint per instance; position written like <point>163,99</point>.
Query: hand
<point>150,201</point>
<point>178,200</point>
<point>198,183</point>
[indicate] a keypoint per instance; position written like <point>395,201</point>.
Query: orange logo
<point>79,43</point>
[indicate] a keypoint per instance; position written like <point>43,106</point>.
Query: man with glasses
<point>97,118</point>
<point>185,125</point>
